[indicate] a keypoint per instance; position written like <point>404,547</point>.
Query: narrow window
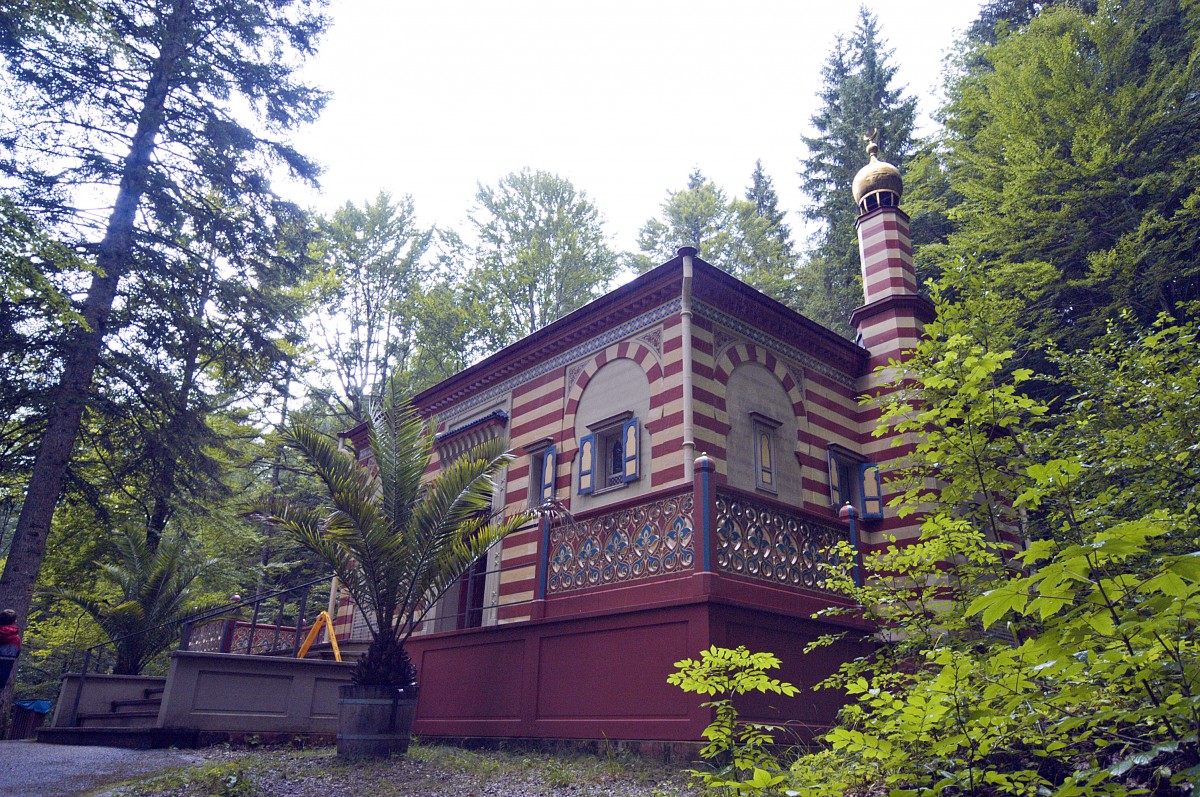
<point>856,482</point>
<point>764,430</point>
<point>587,464</point>
<point>629,449</point>
<point>870,490</point>
<point>542,469</point>
<point>609,456</point>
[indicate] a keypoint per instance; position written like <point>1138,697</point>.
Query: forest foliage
<point>1053,209</point>
<point>1040,638</point>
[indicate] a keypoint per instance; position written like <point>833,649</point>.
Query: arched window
<point>609,425</point>
<point>760,447</point>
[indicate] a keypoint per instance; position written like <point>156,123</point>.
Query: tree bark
<point>168,470</point>
<point>113,260</point>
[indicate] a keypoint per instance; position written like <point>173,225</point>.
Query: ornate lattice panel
<point>632,544</point>
<point>267,639</point>
<point>760,541</point>
<point>207,638</point>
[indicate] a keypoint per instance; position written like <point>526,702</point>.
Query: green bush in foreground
<point>737,750</point>
<point>1041,636</point>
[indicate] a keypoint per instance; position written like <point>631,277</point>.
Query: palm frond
<point>153,589</point>
<point>395,538</point>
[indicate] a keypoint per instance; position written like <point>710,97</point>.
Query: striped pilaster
<point>710,429</point>
<point>890,325</point>
<point>666,408</point>
<point>885,254</point>
<point>537,414</point>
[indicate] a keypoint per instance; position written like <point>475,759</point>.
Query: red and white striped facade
<point>890,326</point>
<point>756,368</point>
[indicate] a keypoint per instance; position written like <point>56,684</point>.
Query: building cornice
<point>912,304</point>
<point>630,308</point>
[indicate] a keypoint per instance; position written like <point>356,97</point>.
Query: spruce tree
<point>856,97</point>
<point>1087,207</point>
<point>698,216</point>
<point>761,193</point>
<point>144,108</point>
<point>746,237</point>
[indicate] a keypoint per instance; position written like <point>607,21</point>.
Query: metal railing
<point>630,543</point>
<point>740,533</point>
<point>293,604</point>
<point>226,629</point>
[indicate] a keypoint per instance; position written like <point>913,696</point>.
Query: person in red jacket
<point>10,644</point>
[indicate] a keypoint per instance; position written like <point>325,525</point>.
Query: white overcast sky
<point>623,98</point>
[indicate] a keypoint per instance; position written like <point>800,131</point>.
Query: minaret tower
<point>893,316</point>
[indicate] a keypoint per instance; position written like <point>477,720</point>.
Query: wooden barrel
<point>374,721</point>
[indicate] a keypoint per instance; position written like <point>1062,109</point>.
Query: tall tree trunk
<point>168,469</point>
<point>268,529</point>
<point>113,260</point>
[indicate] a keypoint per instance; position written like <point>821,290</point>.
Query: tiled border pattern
<point>633,325</point>
<point>582,350</point>
<point>762,338</point>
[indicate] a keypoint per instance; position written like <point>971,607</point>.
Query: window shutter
<point>549,469</point>
<point>835,488</point>
<point>629,443</point>
<point>870,490</point>
<point>587,464</point>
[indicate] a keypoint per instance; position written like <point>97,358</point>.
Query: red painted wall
<point>605,677</point>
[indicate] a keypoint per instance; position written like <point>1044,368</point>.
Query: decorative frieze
<point>617,333</point>
<point>653,339</point>
<point>756,335</point>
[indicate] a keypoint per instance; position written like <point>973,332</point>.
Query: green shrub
<point>736,750</point>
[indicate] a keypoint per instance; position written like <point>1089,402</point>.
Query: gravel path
<point>427,771</point>
<point>30,769</point>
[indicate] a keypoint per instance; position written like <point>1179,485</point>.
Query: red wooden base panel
<point>606,677</point>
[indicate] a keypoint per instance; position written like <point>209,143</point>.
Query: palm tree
<point>154,589</point>
<point>395,539</point>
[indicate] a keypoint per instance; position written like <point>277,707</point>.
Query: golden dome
<point>876,176</point>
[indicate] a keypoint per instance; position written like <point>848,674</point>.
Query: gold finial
<point>876,178</point>
<point>872,147</point>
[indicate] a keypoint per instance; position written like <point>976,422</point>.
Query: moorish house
<point>696,439</point>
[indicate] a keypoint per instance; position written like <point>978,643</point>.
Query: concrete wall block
<point>252,694</point>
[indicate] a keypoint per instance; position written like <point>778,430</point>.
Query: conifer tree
<point>746,237</point>
<point>698,216</point>
<point>856,97</point>
<point>1089,206</point>
<point>145,106</point>
<point>761,192</point>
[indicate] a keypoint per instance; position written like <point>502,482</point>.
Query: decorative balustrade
<point>240,636</point>
<point>765,542</point>
<point>630,544</point>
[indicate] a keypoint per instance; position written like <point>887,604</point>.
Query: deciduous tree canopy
<point>541,253</point>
